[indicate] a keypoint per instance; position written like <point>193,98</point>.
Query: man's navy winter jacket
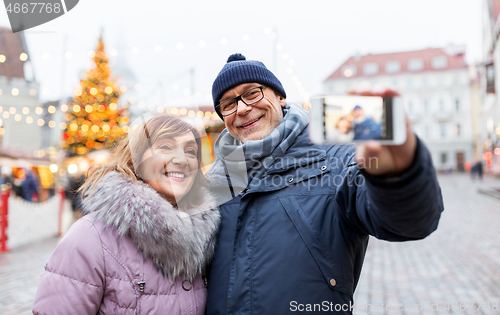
<point>300,236</point>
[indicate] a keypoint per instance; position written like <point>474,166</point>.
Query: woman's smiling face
<point>170,166</point>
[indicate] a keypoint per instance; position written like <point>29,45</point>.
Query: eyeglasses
<point>248,97</point>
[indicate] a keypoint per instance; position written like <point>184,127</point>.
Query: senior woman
<point>149,233</point>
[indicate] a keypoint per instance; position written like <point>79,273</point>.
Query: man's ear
<point>282,100</point>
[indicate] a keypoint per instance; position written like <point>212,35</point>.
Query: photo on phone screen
<point>356,118</point>
<point>337,119</point>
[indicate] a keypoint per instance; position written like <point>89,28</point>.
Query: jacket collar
<point>179,243</point>
<point>301,161</point>
<point>300,154</point>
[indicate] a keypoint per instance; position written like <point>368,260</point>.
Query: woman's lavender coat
<point>131,235</point>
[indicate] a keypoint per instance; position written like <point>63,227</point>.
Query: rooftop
<point>415,61</point>
<point>12,45</point>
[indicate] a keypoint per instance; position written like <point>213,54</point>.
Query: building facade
<point>435,86</point>
<point>19,128</point>
<point>490,86</point>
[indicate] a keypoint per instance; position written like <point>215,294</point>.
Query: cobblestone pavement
<point>458,266</point>
<point>459,263</point>
<point>21,268</point>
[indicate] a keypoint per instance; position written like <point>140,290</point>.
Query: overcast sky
<point>315,37</point>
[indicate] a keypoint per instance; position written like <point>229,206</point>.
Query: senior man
<point>296,216</point>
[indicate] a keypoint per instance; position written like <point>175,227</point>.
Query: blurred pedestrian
<point>149,234</point>
<point>29,187</point>
<point>479,169</point>
<point>17,180</point>
<point>473,171</point>
<point>6,177</point>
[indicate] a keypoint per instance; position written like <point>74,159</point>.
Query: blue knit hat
<point>237,71</point>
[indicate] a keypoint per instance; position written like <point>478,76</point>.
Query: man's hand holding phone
<point>392,159</point>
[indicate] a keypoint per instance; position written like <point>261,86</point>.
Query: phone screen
<point>349,118</point>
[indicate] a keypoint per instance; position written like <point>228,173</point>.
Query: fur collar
<point>180,244</point>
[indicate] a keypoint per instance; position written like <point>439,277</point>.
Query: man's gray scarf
<point>247,163</point>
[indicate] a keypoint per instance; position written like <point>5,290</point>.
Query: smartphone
<point>354,118</point>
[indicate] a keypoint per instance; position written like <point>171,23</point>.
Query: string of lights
<point>175,87</point>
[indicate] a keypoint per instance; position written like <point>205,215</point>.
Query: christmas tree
<point>94,119</point>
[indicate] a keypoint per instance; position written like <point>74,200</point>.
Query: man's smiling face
<point>257,121</point>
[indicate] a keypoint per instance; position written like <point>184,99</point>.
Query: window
<point>348,71</point>
<point>415,64</point>
<point>426,107</point>
<point>444,157</point>
<point>424,81</point>
<point>410,107</point>
<point>439,62</point>
<point>427,131</point>
<point>457,105</point>
<point>490,78</point>
<point>457,130</point>
<point>442,130</point>
<point>440,80</point>
<point>370,68</point>
<point>392,66</point>
<point>441,105</point>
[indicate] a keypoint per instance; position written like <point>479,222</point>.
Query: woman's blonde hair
<point>127,155</point>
